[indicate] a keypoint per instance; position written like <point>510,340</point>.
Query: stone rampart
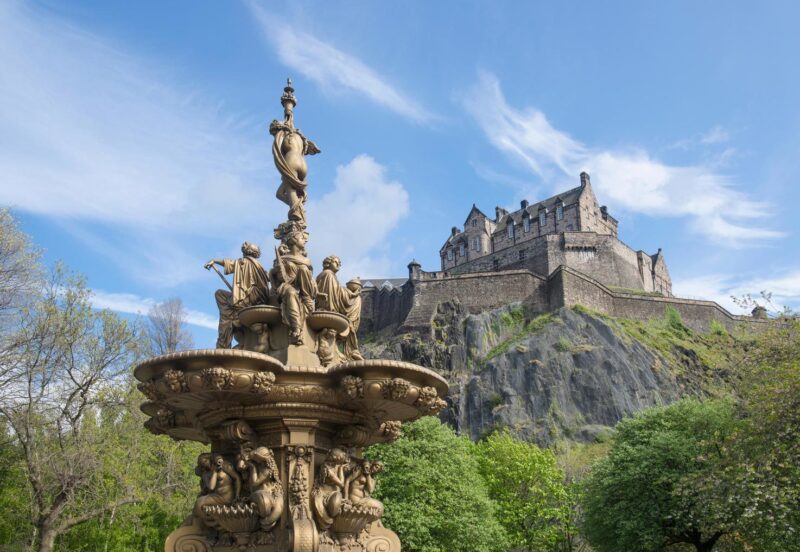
<point>569,287</point>
<point>414,305</point>
<point>476,292</point>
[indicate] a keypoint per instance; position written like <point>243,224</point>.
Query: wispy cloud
<point>135,165</point>
<point>785,288</point>
<point>89,132</point>
<point>134,304</point>
<point>630,179</point>
<point>332,69</point>
<point>354,220</point>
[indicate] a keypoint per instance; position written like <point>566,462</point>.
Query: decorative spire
<point>288,94</point>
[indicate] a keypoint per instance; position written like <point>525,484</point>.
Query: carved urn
<point>288,409</point>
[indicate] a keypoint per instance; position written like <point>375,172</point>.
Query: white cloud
<point>141,169</point>
<point>355,218</point>
<point>89,133</point>
<point>785,289</point>
<point>716,135</point>
<point>629,180</point>
<point>333,69</point>
<point>133,304</point>
<point>713,136</point>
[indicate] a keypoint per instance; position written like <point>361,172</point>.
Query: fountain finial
<point>288,95</point>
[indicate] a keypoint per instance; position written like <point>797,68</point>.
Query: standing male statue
<point>250,287</point>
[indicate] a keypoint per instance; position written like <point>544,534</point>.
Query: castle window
<point>495,264</point>
<point>462,250</point>
<point>474,222</point>
<point>526,224</point>
<point>522,255</point>
<point>542,218</point>
<point>476,243</point>
<point>510,229</point>
<point>560,212</point>
<point>449,254</point>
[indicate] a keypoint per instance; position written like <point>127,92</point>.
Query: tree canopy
<point>643,495</point>
<point>435,498</point>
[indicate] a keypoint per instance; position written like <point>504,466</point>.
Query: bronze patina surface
<point>287,410</point>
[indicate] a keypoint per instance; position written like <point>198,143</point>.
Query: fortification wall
<point>570,287</point>
<point>382,307</point>
<point>477,292</point>
<point>413,307</point>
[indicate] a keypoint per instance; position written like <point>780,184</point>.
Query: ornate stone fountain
<point>289,408</point>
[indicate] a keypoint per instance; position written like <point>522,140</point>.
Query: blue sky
<point>134,142</point>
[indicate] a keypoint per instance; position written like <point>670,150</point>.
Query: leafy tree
<point>528,488</point>
<point>644,495</point>
<point>59,359</point>
<point>435,498</point>
<point>159,470</point>
<point>764,468</point>
<point>166,327</point>
<point>19,267</point>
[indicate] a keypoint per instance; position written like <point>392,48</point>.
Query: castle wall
<point>603,256</point>
<point>382,307</point>
<point>413,307</point>
<point>569,287</point>
<point>476,292</point>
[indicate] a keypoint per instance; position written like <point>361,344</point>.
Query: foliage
<point>528,488</point>
<point>643,496</point>
<point>563,345</point>
<point>763,471</point>
<point>715,327</point>
<point>76,454</point>
<point>669,337</point>
<point>60,361</point>
<point>160,472</point>
<point>516,325</point>
<point>435,498</point>
<point>19,265</point>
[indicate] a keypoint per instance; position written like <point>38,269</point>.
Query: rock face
<point>569,374</point>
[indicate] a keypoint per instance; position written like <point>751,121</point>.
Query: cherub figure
<point>220,484</point>
<point>329,491</point>
<point>263,481</point>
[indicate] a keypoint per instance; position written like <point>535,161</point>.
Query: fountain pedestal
<point>288,411</point>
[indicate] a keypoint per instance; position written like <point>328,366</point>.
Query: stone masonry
<point>562,251</point>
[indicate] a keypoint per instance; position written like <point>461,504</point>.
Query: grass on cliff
<point>672,339</point>
<point>514,322</point>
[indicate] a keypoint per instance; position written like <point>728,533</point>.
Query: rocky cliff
<point>569,374</point>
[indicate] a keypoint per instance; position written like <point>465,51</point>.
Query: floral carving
<point>175,380</point>
<point>298,484</point>
<point>148,389</point>
<point>217,378</point>
<point>396,389</point>
<point>429,401</point>
<point>391,430</point>
<point>262,382</point>
<point>353,387</point>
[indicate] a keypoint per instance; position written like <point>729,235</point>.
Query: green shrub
<point>716,328</point>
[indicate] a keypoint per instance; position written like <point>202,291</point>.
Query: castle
<point>561,251</point>
<point>569,229</point>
